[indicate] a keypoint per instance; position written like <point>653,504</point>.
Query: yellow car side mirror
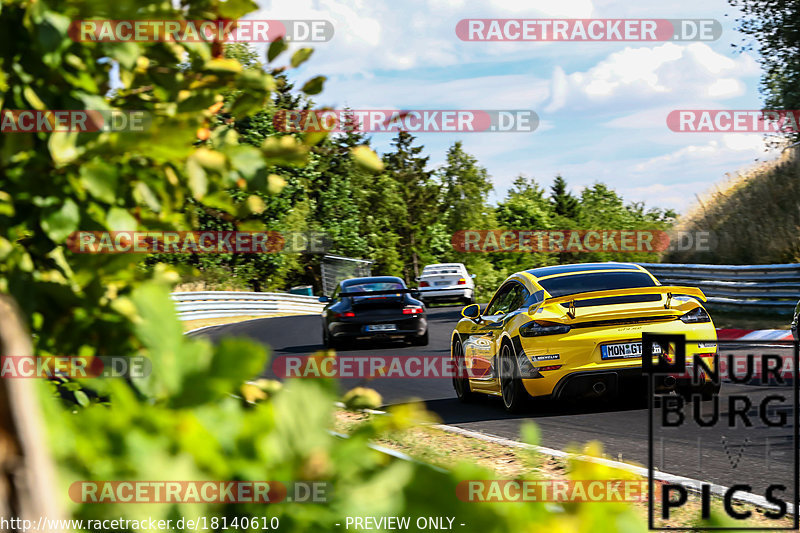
<point>471,311</point>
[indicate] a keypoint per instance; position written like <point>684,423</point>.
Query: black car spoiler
<point>376,293</point>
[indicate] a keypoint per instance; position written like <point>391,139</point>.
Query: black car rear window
<point>597,281</point>
<point>372,286</point>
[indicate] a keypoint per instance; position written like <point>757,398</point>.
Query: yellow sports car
<point>576,330</point>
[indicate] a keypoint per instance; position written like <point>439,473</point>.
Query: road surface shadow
<point>485,408</point>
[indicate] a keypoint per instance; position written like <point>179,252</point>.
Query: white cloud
<point>543,8</point>
<point>603,106</point>
<point>512,91</point>
<point>414,33</point>
<point>650,118</point>
<point>732,145</point>
<point>644,75</point>
<point>726,88</point>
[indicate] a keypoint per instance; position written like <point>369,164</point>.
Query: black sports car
<point>380,307</point>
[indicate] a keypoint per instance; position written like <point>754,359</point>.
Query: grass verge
<point>444,449</point>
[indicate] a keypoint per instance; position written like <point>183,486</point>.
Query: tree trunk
<point>414,258</point>
<point>27,475</point>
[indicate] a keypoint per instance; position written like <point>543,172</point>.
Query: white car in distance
<point>446,282</point>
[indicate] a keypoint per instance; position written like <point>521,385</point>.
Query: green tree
<point>602,208</point>
<point>358,210</point>
<point>600,205</point>
<point>465,191</point>
<point>419,194</point>
<point>274,203</point>
<point>525,206</point>
<point>339,193</point>
<point>564,204</point>
<point>775,26</point>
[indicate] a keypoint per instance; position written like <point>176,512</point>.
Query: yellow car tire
<point>515,398</point>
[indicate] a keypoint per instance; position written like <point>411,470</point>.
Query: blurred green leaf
<point>198,180</point>
<point>235,9</point>
<point>82,398</point>
<point>220,200</point>
<point>301,56</point>
<point>100,179</point>
<point>119,219</point>
<point>62,147</point>
<point>246,159</point>
<point>276,47</point>
<point>58,224</point>
<point>314,85</point>
<point>285,150</point>
<point>367,159</point>
<point>362,398</point>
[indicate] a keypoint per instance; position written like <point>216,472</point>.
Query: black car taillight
<point>536,329</point>
<point>695,316</point>
<point>346,314</point>
<point>412,311</point>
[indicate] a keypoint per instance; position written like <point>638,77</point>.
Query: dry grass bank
<point>755,216</point>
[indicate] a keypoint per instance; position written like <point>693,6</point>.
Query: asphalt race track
<point>718,455</point>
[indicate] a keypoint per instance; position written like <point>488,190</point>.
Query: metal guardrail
<point>219,304</point>
<point>773,288</point>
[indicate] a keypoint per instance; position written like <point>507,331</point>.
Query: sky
<point>602,105</point>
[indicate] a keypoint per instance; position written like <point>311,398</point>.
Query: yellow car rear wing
<point>572,298</point>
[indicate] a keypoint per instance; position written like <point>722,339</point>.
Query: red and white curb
<point>754,334</point>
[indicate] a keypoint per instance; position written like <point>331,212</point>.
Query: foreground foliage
<point>189,419</point>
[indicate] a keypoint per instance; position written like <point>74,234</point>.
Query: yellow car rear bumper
<point>581,362</point>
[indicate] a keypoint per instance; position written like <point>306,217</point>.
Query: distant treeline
<point>403,217</point>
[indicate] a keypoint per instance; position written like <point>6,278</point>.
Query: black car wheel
<point>327,341</point>
<point>460,379</point>
<point>332,342</point>
<point>421,340</point>
<point>515,397</point>
<point>709,390</point>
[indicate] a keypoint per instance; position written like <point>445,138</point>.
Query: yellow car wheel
<point>515,397</point>
<point>705,392</point>
<point>460,379</point>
